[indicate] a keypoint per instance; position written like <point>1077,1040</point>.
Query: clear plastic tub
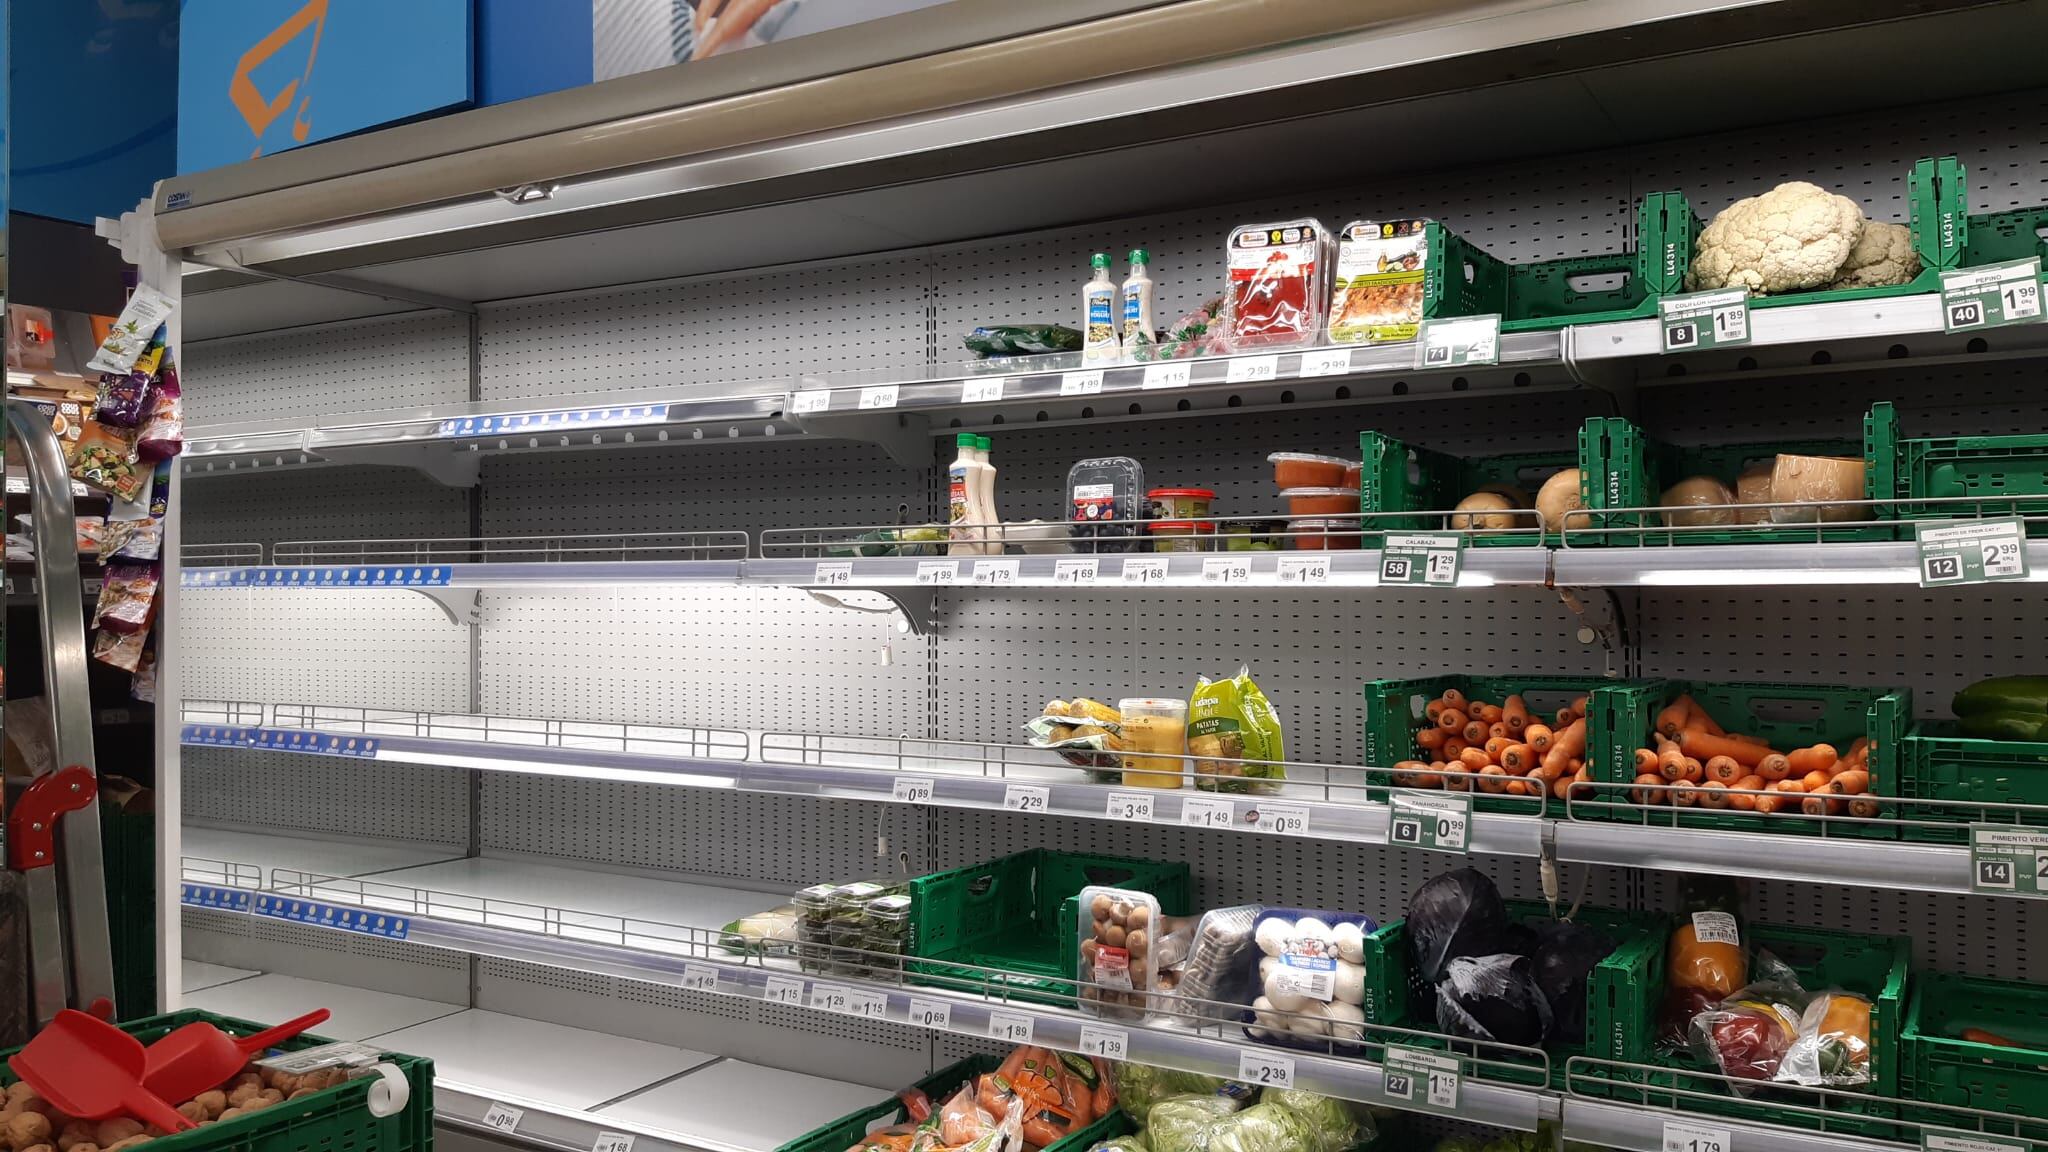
<point>1180,536</point>
<point>1323,535</point>
<point>1155,737</point>
<point>1181,503</point>
<point>1106,488</point>
<point>1253,535</point>
<point>1118,965</point>
<point>1321,501</point>
<point>1278,283</point>
<point>1309,470</point>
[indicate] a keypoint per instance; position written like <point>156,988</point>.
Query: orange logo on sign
<point>242,92</point>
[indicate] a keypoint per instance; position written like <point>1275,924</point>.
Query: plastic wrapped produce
<point>1337,1124</point>
<point>1492,998</point>
<point>1456,914</point>
<point>1215,968</point>
<point>1139,1087</point>
<point>1122,1144</point>
<point>1565,954</point>
<point>1198,1124</point>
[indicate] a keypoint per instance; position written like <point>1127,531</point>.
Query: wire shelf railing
<point>1667,805</point>
<point>588,548</point>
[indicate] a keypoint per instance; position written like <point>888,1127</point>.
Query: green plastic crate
<point>1937,209</point>
<point>1939,763</point>
<point>1787,715</point>
<point>1940,1067</point>
<point>128,851</point>
<point>1394,713</point>
<point>1622,467</point>
<point>1996,237</point>
<point>1996,469</point>
<point>333,1119</point>
<point>1556,293</point>
<point>1399,477</point>
<point>938,1087</point>
<point>1018,914</point>
<point>1876,967</point>
<point>1622,991</point>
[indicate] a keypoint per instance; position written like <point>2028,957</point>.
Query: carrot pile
<point>1695,761</point>
<point>1503,748</point>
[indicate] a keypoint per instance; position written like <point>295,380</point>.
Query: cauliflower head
<point>1794,237</point>
<point>1883,257</point>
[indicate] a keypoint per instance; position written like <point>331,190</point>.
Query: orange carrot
<point>1567,744</point>
<point>1853,783</point>
<point>1561,788</point>
<point>1451,720</point>
<point>1538,737</point>
<point>1738,792</point>
<point>1474,759</point>
<point>1724,769</point>
<point>1672,719</point>
<point>1818,758</point>
<point>1700,743</point>
<point>1457,779</point>
<point>1454,747</point>
<point>1693,772</point>
<point>1698,717</point>
<point>1497,732</point>
<point>1815,805</point>
<point>1453,698</point>
<point>1475,732</point>
<point>1518,759</point>
<point>1491,713</point>
<point>1579,706</point>
<point>1565,716</point>
<point>1433,709</point>
<point>1430,739</point>
<point>1863,806</point>
<point>1646,761</point>
<point>1714,794</point>
<point>1671,761</point>
<point>1774,767</point>
<point>1493,778</point>
<point>1684,795</point>
<point>1648,795</point>
<point>1814,781</point>
<point>1515,714</point>
<point>1495,745</point>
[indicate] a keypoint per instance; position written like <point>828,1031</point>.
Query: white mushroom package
<point>1310,969</point>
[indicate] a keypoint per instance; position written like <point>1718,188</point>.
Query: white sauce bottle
<point>1099,343</point>
<point>1137,330</point>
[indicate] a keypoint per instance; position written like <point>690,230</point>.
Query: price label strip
<point>1252,369</point>
<point>697,978</point>
<point>1226,570</point>
<point>1010,1026</point>
<point>981,391</point>
<point>912,790</point>
<point>813,400</point>
<point>1435,560</point>
<point>1108,1043</point>
<point>502,1117</point>
<point>1146,570</point>
<point>1437,823</point>
<point>1992,296</point>
<point>1081,383</point>
<point>930,1014</point>
<point>1027,798</point>
<point>1173,374</point>
<point>1285,819</point>
<point>1697,320</point>
<point>1458,342</point>
<point>1135,806</point>
<point>1422,1081</point>
<point>938,571</point>
<point>1309,568</point>
<point>2007,860</point>
<point>838,572</point>
<point>784,990</point>
<point>996,573</point>
<point>879,396</point>
<point>612,1142</point>
<point>1687,1136</point>
<point>1933,1141</point>
<point>1265,1069</point>
<point>1076,572</point>
<point>1326,362</point>
<point>1203,812</point>
<point>1970,551</point>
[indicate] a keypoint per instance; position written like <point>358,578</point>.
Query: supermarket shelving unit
<point>512,661</point>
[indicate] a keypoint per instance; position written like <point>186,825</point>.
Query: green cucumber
<point>2011,694</point>
<point>2028,727</point>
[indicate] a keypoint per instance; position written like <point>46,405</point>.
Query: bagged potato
<point>1234,736</point>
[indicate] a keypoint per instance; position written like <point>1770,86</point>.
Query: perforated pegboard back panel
<point>776,842</point>
<point>319,647</point>
<point>766,658</point>
<point>353,503</point>
<point>415,803</point>
<point>882,1055</point>
<point>359,366</point>
<point>242,941</point>
<point>710,331</point>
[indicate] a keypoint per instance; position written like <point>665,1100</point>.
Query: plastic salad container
<point>1308,470</point>
<point>1321,501</point>
<point>1253,535</point>
<point>1106,488</point>
<point>1323,535</point>
<point>1180,536</point>
<point>1180,503</point>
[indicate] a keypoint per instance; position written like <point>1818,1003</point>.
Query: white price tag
<point>1252,369</point>
<point>867,1005</point>
<point>1075,571</point>
<point>1933,1141</point>
<point>1010,1026</point>
<point>783,990</point>
<point>912,790</point>
<point>938,571</point>
<point>1425,1079</point>
<point>1265,1069</point>
<point>1226,570</point>
<point>830,997</point>
<point>1327,362</point>
<point>930,1014</point>
<point>612,1142</point>
<point>833,572</point>
<point>1286,819</point>
<point>1000,573</point>
<point>1108,1043</point>
<point>1716,928</point>
<point>502,1117</point>
<point>1172,374</point>
<point>1204,812</point>
<point>1306,568</point>
<point>981,390</point>
<point>1439,823</point>
<point>1026,798</point>
<point>697,978</point>
<point>1685,1136</point>
<point>1080,383</point>
<point>1128,806</point>
<point>1145,570</point>
<point>815,400</point>
<point>879,396</point>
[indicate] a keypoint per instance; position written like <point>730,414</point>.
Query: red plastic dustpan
<point>92,1070</point>
<point>199,1056</point>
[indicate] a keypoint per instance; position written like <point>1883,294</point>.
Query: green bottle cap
<point>985,443</point>
<point>1140,256</point>
<point>964,440</point>
<point>1099,260</point>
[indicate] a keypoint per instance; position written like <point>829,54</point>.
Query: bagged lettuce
<point>1234,735</point>
<point>1335,1123</point>
<point>1140,1086</point>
